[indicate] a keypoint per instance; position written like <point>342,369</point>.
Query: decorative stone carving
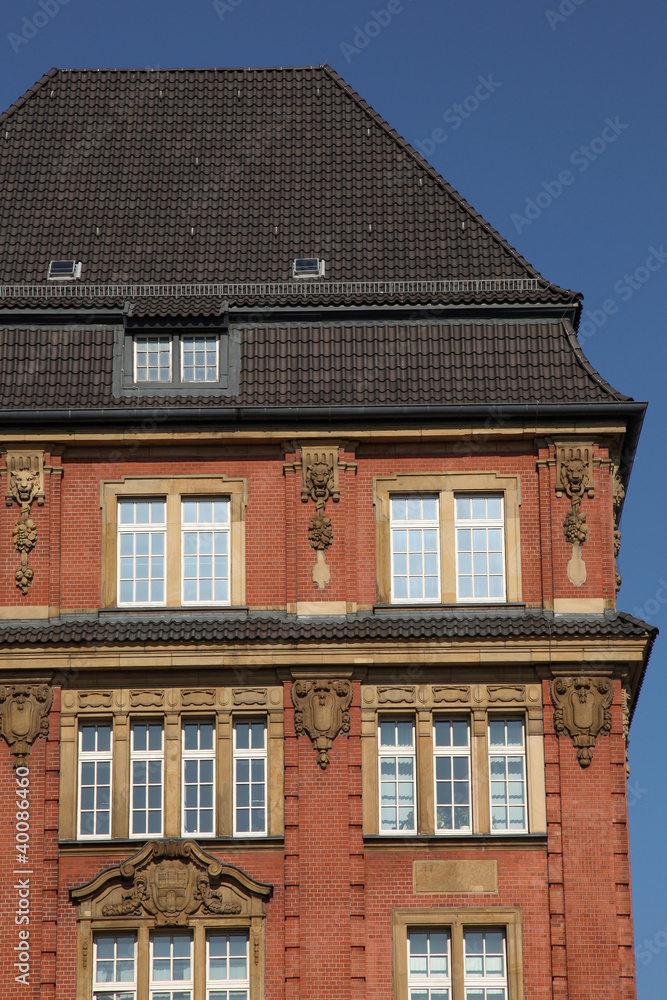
<point>249,696</point>
<point>452,694</point>
<point>618,496</point>
<point>146,699</point>
<point>506,693</point>
<point>322,711</point>
<point>95,699</point>
<point>396,695</point>
<point>319,484</point>
<point>582,710</point>
<point>25,484</point>
<point>172,881</point>
<point>626,698</point>
<point>24,715</point>
<point>574,478</point>
<point>195,698</point>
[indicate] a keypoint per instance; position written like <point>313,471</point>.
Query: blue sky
<point>569,116</point>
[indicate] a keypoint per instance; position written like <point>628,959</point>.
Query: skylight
<point>64,270</point>
<point>308,267</point>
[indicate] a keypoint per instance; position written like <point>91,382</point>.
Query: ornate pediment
<point>169,882</point>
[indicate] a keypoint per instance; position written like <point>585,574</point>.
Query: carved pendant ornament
<point>319,484</point>
<point>172,881</point>
<point>582,711</point>
<point>574,478</point>
<point>322,711</point>
<point>25,484</point>
<point>24,715</point>
<point>618,495</point>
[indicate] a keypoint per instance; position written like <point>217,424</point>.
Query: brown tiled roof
<point>326,364</point>
<point>225,176</point>
<point>230,627</point>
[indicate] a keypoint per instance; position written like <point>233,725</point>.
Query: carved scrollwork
<point>322,711</point>
<point>25,484</point>
<point>582,711</point>
<point>24,715</point>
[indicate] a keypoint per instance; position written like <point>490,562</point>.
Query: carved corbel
<point>322,711</point>
<point>574,478</point>
<point>319,483</point>
<point>582,711</point>
<point>25,484</point>
<point>24,715</point>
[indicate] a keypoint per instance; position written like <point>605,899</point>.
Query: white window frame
<point>198,528</point>
<point>421,524</point>
<point>431,981</point>
<point>146,337</point>
<point>249,754</point>
<point>147,756</point>
<point>227,985</point>
<point>182,348</point>
<point>94,757</point>
<point>153,529</point>
<point>198,755</point>
<point>171,986</point>
<point>485,982</point>
<point>504,752</point>
<point>395,752</point>
<point>485,524</point>
<point>117,986</point>
<point>452,752</point>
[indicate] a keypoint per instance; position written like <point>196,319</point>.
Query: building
<point>312,678</point>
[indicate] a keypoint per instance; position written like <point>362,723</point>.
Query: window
<point>480,554</point>
<point>448,538</point>
<point>414,549</point>
<point>146,760</point>
<point>199,357</point>
<point>429,967</point>
<point>205,545</point>
<point>95,780</point>
<point>471,953</point>
<point>171,967</point>
<point>250,777</point>
<point>397,775</point>
<point>308,267</point>
<point>168,362</point>
<point>142,531</point>
<point>485,974</point>
<point>177,542</point>
<point>451,750</point>
<point>198,775</point>
<point>227,967</point>
<point>114,967</point>
<point>152,359</point>
<point>507,771</point>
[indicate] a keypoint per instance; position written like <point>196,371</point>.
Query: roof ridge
<point>433,173</point>
<point>586,364</point>
<point>25,97</point>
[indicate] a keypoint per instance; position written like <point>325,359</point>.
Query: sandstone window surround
<point>465,766</point>
<point>173,496</point>
<point>140,806</point>
<point>454,581</point>
<point>484,952</point>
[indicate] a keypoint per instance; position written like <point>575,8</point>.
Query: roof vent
<point>308,267</point>
<point>64,270</point>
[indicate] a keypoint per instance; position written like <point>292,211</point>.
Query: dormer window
<point>308,267</point>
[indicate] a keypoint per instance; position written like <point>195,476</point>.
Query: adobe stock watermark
<point>565,9</point>
<point>651,948</point>
<point>30,26</point>
<point>378,21</point>
<point>22,884</point>
<point>454,116</point>
<point>222,7</point>
<point>581,158</point>
<point>651,608</point>
<point>593,320</point>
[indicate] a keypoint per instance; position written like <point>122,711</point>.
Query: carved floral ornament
<point>322,711</point>
<point>582,711</point>
<point>319,484</point>
<point>170,882</point>
<point>25,484</point>
<point>24,715</point>
<point>574,478</point>
<point>618,495</point>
